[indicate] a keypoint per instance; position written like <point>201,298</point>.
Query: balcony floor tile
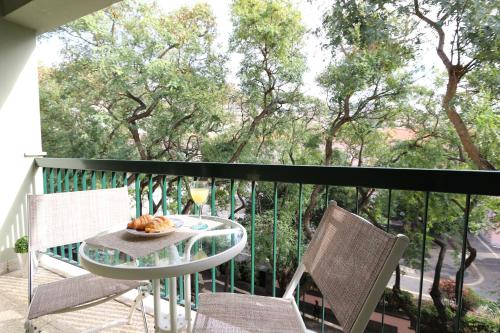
<point>13,305</point>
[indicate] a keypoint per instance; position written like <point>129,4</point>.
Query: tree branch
<point>165,51</point>
<point>437,26</point>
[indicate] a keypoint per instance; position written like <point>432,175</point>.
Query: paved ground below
<point>13,305</point>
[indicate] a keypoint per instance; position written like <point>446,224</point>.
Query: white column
<point>19,132</point>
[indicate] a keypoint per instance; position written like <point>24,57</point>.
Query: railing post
<point>75,188</point>
<point>44,175</point>
<point>150,195</point>
<point>59,249</point>
<point>164,190</point>
<point>179,195</point>
<point>51,180</point>
<point>357,200</point>
<point>93,179</point>
<point>460,283</point>
<point>327,201</point>
<point>181,246</point>
<point>275,233</point>
<point>213,212</point>
<point>67,189</point>
<point>299,243</point>
<point>232,263</point>
<point>84,180</point>
<point>75,180</point>
<point>113,179</point>
<point>252,243</point>
<point>52,250</point>
<point>138,201</point>
<point>387,227</point>
<point>422,261</point>
<point>104,180</point>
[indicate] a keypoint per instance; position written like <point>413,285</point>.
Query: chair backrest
<point>351,261</point>
<point>69,217</point>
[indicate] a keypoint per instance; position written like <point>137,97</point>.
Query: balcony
<point>406,305</point>
<point>449,275</point>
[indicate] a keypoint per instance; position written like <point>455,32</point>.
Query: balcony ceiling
<point>45,15</point>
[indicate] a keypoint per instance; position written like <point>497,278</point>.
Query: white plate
<point>150,234</point>
<point>177,221</point>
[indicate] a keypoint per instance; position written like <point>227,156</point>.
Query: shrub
<point>470,299</point>
<point>429,313</point>
<point>392,302</point>
<point>475,324</point>
<point>21,245</point>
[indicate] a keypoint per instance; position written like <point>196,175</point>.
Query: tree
<point>474,43</point>
<point>432,143</point>
<point>68,131</point>
<point>366,77</point>
<point>269,35</point>
<point>150,78</point>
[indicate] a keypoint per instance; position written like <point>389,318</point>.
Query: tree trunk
<point>284,277</point>
<point>187,207</point>
<point>336,126</point>
<point>468,261</point>
<point>462,131</point>
<point>316,190</point>
<point>397,279</point>
<point>253,126</point>
<point>435,291</point>
<point>132,127</point>
<point>396,290</point>
<point>309,211</point>
<point>455,73</point>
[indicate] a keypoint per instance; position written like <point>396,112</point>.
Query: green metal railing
<point>72,175</point>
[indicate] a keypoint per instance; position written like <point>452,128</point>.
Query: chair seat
<point>67,293</point>
<point>226,312</point>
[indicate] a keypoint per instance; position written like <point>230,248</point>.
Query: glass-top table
<point>200,251</point>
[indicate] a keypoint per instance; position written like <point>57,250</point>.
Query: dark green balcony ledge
<point>432,180</point>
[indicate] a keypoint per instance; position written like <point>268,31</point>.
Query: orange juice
<point>199,195</point>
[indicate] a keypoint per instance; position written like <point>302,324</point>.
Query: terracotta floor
<point>13,304</point>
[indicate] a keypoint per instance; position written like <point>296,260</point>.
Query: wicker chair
<point>349,259</point>
<point>65,218</point>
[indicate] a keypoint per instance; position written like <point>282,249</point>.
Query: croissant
<point>140,223</point>
<point>159,224</point>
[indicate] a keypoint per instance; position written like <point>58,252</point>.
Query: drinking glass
<point>199,193</point>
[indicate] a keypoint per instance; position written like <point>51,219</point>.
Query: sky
<point>317,57</point>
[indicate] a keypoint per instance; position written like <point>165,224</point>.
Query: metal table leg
<point>157,304</point>
<point>172,292</point>
<point>174,321</point>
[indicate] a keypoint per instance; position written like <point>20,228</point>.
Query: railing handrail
<point>433,180</point>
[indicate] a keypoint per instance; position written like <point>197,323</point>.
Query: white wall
<point>19,131</point>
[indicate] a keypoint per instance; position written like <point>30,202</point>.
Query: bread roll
<point>141,222</point>
<point>159,224</point>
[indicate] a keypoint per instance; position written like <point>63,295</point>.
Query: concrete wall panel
<point>19,131</point>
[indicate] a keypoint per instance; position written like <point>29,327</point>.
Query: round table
<point>170,262</point>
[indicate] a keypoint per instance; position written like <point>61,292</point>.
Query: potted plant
<point>21,248</point>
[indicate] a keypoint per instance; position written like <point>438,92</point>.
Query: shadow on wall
<point>15,223</point>
<point>16,47</point>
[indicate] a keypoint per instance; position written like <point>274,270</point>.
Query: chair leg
<point>187,301</point>
<point>132,308</point>
<point>29,328</point>
<point>138,299</point>
<point>145,322</point>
